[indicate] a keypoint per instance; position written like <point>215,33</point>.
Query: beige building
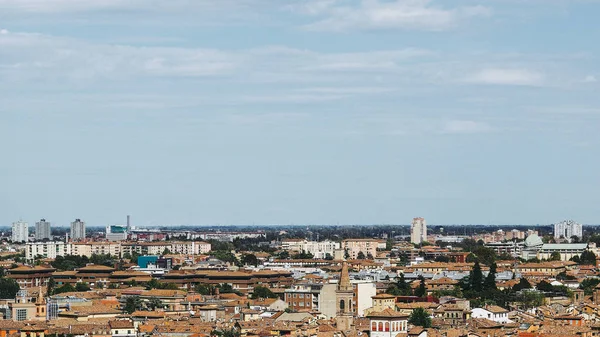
<point>418,231</point>
<point>190,247</point>
<point>354,246</point>
<point>97,248</point>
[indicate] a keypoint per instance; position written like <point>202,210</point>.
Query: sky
<point>299,111</point>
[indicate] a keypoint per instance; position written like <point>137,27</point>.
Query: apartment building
<point>319,249</point>
<point>53,249</point>
<point>355,246</point>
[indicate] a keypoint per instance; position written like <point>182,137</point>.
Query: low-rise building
<point>492,313</point>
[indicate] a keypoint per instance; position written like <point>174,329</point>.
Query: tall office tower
<point>42,230</point>
<point>77,230</point>
<point>567,229</point>
<point>418,231</point>
<point>20,231</point>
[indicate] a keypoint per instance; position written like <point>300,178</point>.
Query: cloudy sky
<point>300,111</point>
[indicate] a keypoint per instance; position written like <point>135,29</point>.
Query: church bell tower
<point>344,296</point>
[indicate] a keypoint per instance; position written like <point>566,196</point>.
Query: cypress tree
<point>476,277</point>
<point>490,280</point>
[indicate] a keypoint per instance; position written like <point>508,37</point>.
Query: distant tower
<point>418,231</point>
<point>77,230</point>
<point>42,230</point>
<point>128,224</point>
<point>344,295</point>
<point>40,306</point>
<point>567,229</point>
<point>20,231</point>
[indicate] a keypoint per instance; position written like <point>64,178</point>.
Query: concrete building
<point>48,249</point>
<point>42,230</point>
<point>567,229</point>
<point>319,249</point>
<point>566,250</point>
<point>116,233</point>
<point>355,246</point>
<point>77,230</point>
<point>190,247</point>
<point>418,231</point>
<point>363,294</point>
<point>20,231</point>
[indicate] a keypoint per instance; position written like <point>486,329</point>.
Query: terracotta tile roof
<point>388,313</point>
<point>98,267</point>
<point>121,324</point>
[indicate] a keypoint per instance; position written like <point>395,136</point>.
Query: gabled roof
<point>388,313</point>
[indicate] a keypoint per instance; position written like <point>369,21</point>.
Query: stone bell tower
<point>344,295</point>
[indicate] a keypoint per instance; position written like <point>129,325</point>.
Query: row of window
<point>300,295</point>
<point>300,304</point>
<point>395,326</point>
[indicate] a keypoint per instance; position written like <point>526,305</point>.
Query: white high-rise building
<point>418,231</point>
<point>42,230</point>
<point>20,231</point>
<point>567,229</point>
<point>77,230</point>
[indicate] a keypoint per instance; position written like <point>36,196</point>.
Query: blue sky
<point>299,112</point>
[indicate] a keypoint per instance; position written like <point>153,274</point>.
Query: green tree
<point>249,259</point>
<point>588,257</point>
<point>588,285</point>
<point>523,284</point>
<point>328,256</point>
<point>490,280</point>
<point>155,303</point>
<point>346,254</point>
<point>81,286</point>
<point>360,255</point>
<point>8,288</point>
<point>485,255</point>
<point>420,317</point>
<point>66,288</point>
<point>476,277</point>
<point>132,303</point>
<point>303,256</point>
<point>422,289</point>
<point>204,289</point>
<point>226,288</point>
<point>555,256</point>
<point>50,286</point>
<point>263,292</point>
<point>166,252</point>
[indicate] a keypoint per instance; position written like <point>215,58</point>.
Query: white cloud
<point>506,76</point>
<point>71,6</point>
<point>590,79</point>
<point>465,126</point>
<point>397,14</point>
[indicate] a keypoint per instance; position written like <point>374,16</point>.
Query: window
<point>373,326</point>
<point>387,326</point>
<point>301,295</point>
<point>380,326</point>
<point>21,314</point>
